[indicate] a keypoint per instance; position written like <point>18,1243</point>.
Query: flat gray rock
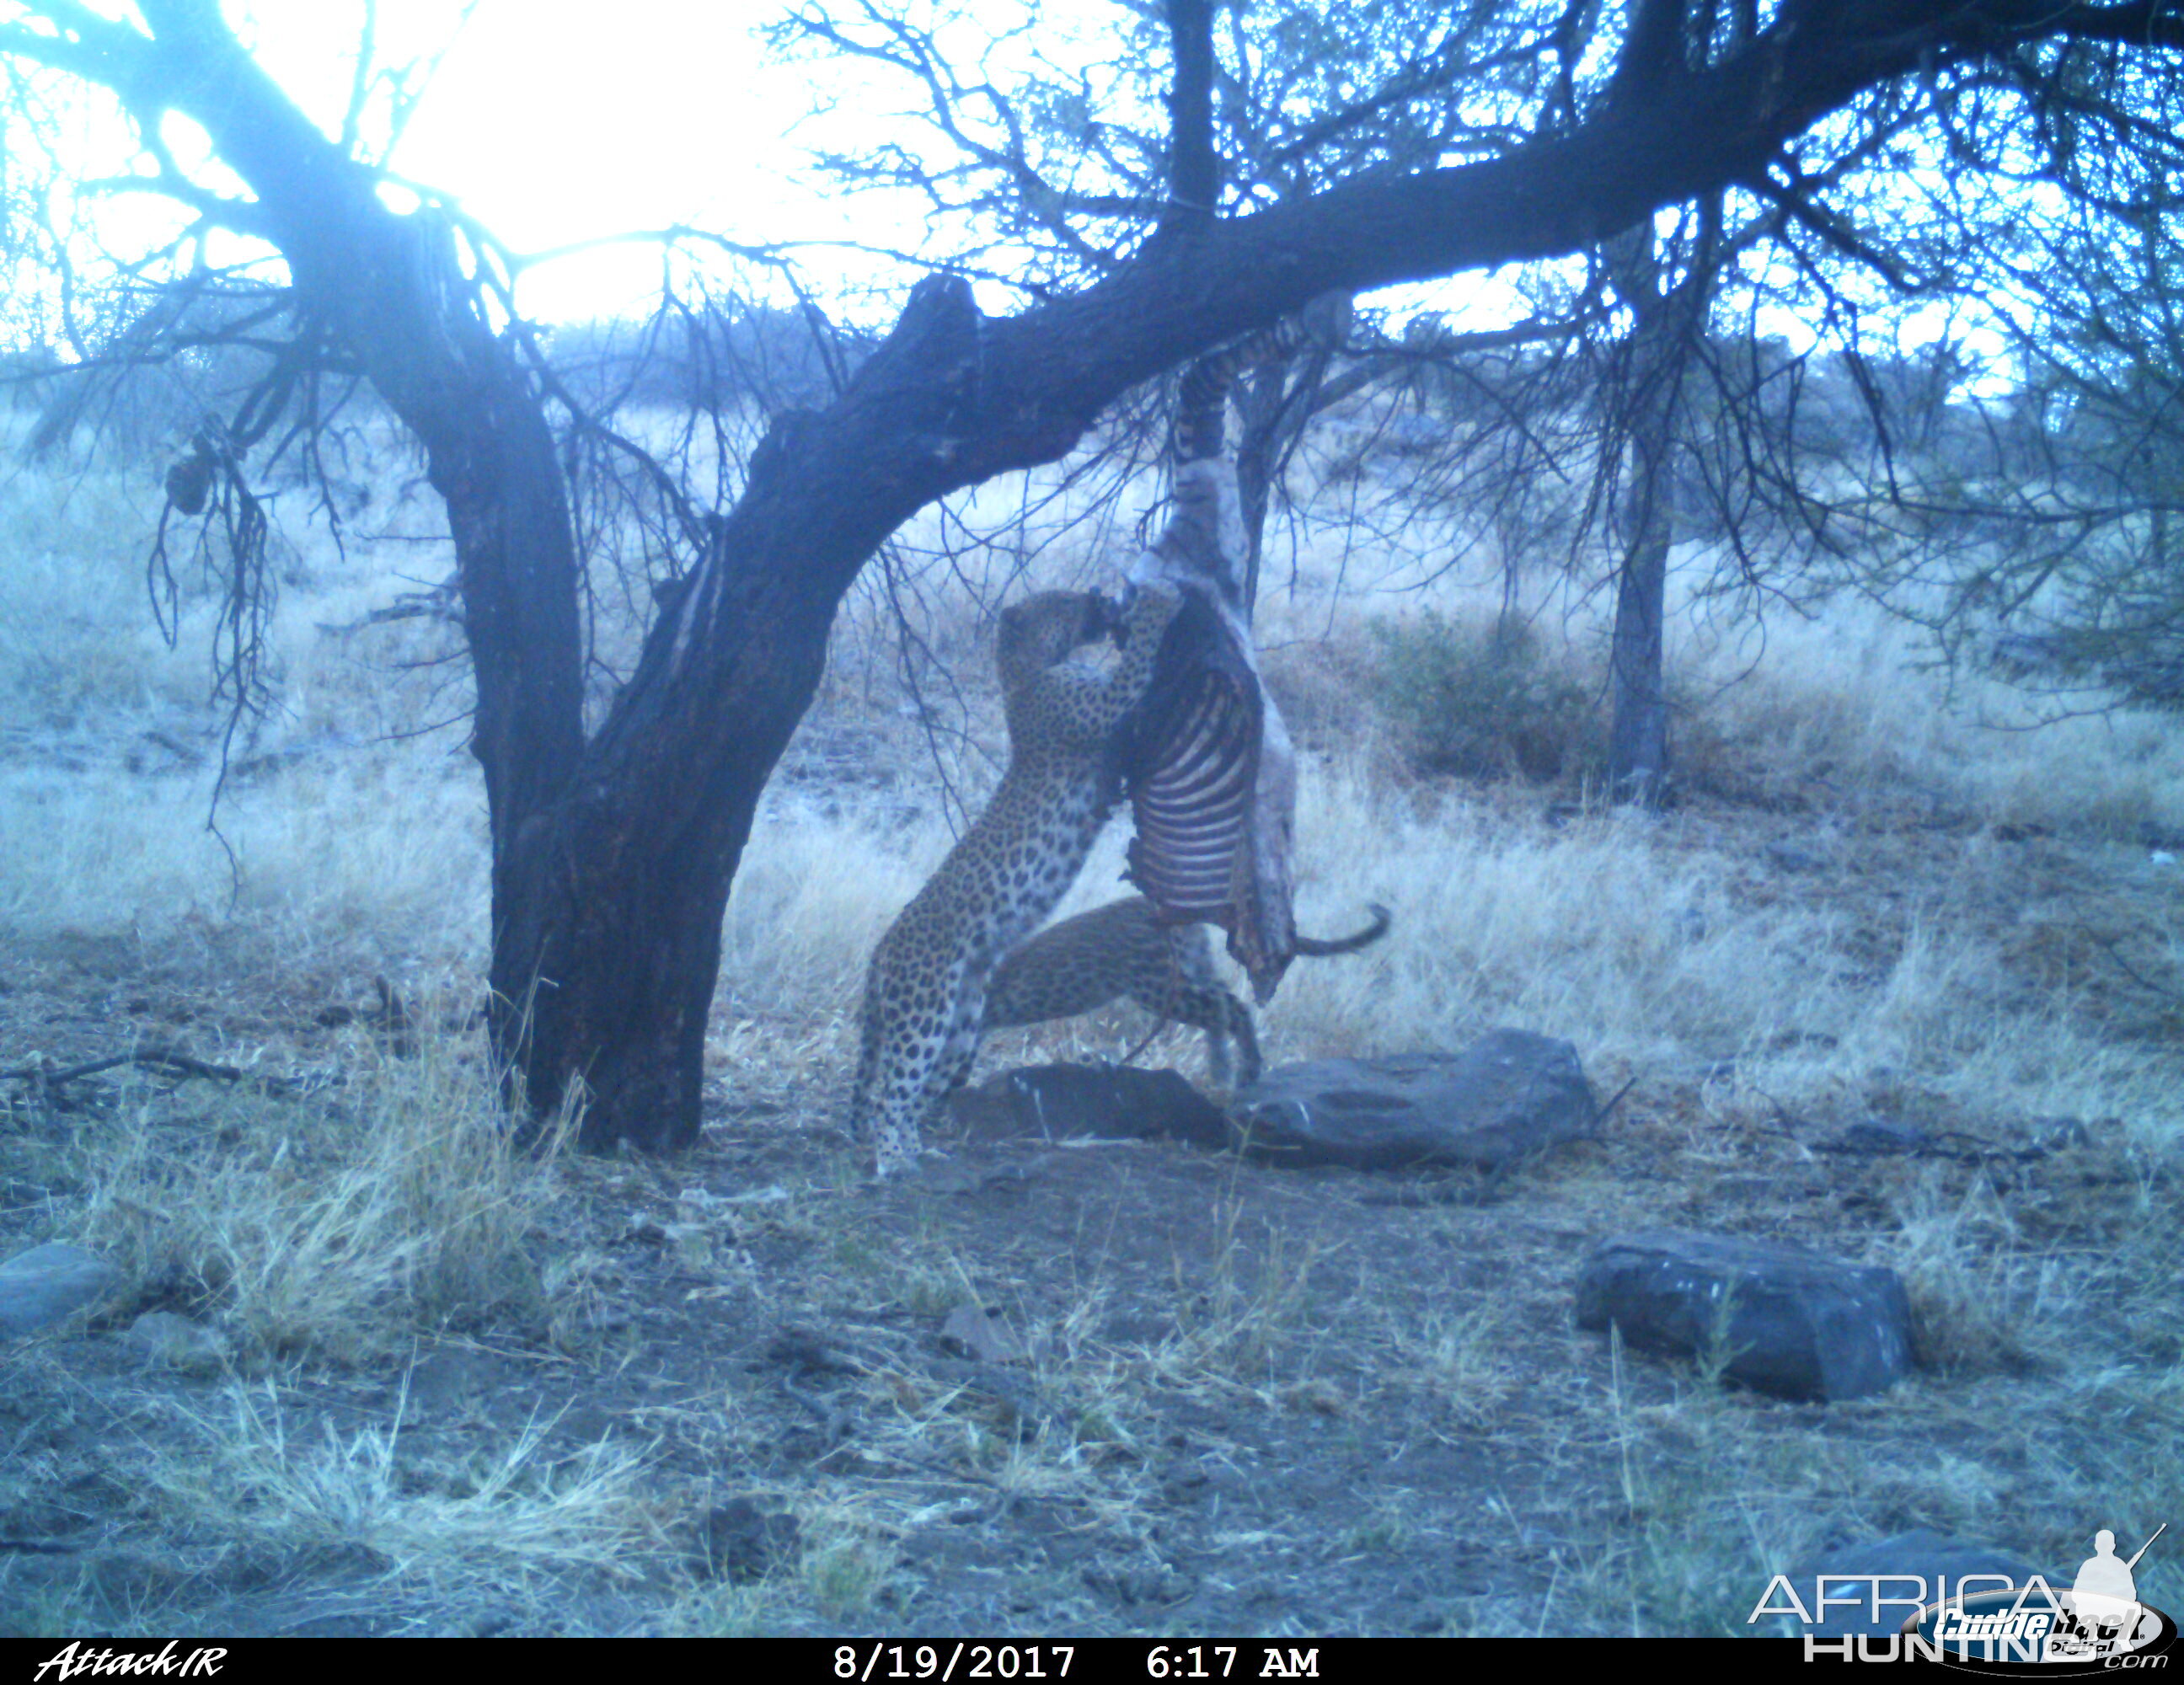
<point>1507,1096</point>
<point>1801,1325</point>
<point>51,1282</point>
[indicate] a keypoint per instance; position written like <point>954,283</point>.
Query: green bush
<point>1487,701</point>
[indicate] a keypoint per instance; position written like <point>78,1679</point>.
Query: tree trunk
<point>615,903</point>
<point>1638,740</point>
<point>1665,317</point>
<point>1275,413</point>
<point>1260,450</point>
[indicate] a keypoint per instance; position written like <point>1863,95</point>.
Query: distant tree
<point>1668,313</point>
<point>2076,573</point>
<point>613,853</point>
<point>2007,476</point>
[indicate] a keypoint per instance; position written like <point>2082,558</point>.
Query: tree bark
<point>1638,737</point>
<point>1667,315</point>
<point>617,907</point>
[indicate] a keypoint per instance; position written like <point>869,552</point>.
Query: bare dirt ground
<point>1204,1396</point>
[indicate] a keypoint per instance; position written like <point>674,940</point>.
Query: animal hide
<point>1208,762</point>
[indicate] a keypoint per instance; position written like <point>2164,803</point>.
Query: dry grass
<point>1242,1316</point>
<point>517,1512</point>
<point>338,1231</point>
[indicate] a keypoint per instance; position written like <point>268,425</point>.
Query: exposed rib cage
<point>1193,805</point>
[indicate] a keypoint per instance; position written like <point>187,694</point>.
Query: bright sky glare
<point>557,121</point>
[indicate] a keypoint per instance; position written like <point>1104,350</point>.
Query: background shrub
<point>1487,701</point>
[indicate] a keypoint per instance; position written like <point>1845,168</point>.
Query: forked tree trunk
<point>1274,412</point>
<point>608,927</point>
<point>1269,429</point>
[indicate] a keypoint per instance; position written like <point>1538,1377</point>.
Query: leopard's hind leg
<point>961,1051</point>
<point>912,1051</point>
<point>1199,999</point>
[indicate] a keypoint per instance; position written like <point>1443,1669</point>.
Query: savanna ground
<point>449,1388</point>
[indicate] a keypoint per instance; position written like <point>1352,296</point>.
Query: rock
<point>982,1335</point>
<point>1510,1095</point>
<point>1095,1102</point>
<point>740,1541</point>
<point>1801,1325</point>
<point>172,1342</point>
<point>51,1282</point>
<point>1922,1553</point>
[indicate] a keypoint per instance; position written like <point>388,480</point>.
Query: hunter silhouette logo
<point>2105,1595</point>
<point>1984,1620</point>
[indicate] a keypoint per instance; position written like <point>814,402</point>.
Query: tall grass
<point>340,1231</point>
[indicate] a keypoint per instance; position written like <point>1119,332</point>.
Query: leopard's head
<point>1046,628</point>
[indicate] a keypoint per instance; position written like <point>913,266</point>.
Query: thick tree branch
<point>1652,56</point>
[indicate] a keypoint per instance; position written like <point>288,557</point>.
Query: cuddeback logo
<point>1988,1624</point>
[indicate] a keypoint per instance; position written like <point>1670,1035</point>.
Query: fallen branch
<point>169,1060</point>
<point>437,605</point>
<point>2110,946</point>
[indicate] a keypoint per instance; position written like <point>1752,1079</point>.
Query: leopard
<point>1070,729</point>
<point>1124,949</point>
<point>925,990</point>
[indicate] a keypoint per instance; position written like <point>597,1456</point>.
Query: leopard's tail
<point>1320,947</point>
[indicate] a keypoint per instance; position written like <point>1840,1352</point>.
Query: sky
<point>554,122</point>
